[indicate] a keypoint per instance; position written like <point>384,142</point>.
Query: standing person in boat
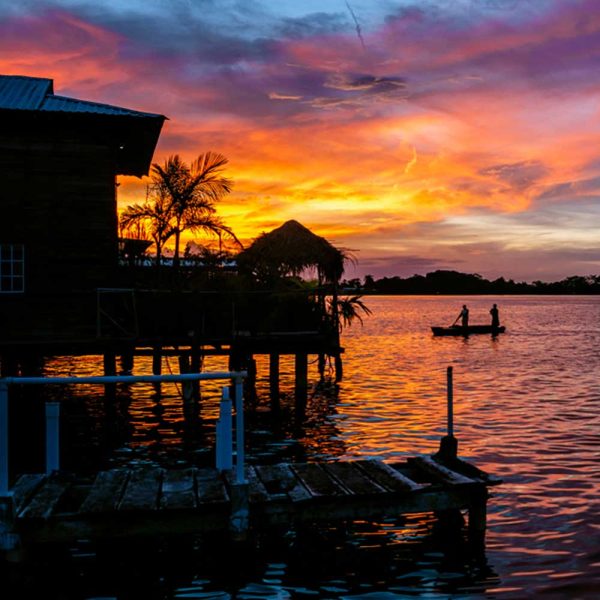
<point>463,316</point>
<point>495,317</point>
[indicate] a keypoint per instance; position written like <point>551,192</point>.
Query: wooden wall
<point>57,197</point>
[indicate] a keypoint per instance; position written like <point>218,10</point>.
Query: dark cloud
<point>315,24</point>
<point>519,175</point>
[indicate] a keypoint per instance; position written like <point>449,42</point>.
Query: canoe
<point>458,330</point>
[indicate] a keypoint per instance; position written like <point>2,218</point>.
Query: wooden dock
<point>153,501</point>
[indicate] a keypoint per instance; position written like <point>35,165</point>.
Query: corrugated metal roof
<point>72,105</point>
<point>34,93</point>
<point>25,93</point>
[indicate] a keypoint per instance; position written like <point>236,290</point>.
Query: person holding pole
<point>463,316</point>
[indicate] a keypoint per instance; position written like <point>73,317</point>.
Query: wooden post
<point>186,387</point>
<point>156,360</point>
<point>3,439</point>
<point>127,361</point>
<point>339,369</point>
<point>478,520</point>
<point>52,437</point>
<point>301,383</point>
<point>251,379</point>
<point>274,380</point>
<point>110,368</point>
<point>449,444</point>
<point>322,363</point>
<point>224,450</point>
<point>196,367</point>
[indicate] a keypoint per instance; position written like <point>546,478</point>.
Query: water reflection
<point>526,410</point>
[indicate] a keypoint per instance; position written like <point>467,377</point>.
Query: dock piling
<point>52,437</point>
<point>3,439</point>
<point>449,444</point>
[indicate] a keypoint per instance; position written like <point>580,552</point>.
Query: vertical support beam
<point>274,380</point>
<point>251,379</point>
<point>301,383</point>
<point>3,439</point>
<point>322,363</point>
<point>478,520</point>
<point>239,519</point>
<point>127,361</point>
<point>240,475</point>
<point>187,389</point>
<point>450,398</point>
<point>339,368</point>
<point>52,437</point>
<point>224,453</point>
<point>196,367</point>
<point>110,368</point>
<point>156,360</point>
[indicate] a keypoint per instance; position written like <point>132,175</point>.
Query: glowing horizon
<point>435,135</point>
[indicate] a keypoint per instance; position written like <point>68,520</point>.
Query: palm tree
<point>154,217</point>
<point>192,192</point>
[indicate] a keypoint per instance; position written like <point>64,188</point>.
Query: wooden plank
<point>210,487</point>
<point>142,490</point>
<point>280,479</point>
<point>439,472</point>
<point>387,476</point>
<point>317,481</point>
<point>465,468</point>
<point>45,500</point>
<point>24,489</point>
<point>257,493</point>
<point>178,489</point>
<point>352,478</point>
<point>106,492</point>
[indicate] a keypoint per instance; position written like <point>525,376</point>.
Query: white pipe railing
<point>224,447</point>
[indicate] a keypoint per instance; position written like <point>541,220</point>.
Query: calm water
<point>527,409</point>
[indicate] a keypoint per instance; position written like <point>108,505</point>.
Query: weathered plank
<point>439,472</point>
<point>106,491</point>
<point>178,489</point>
<point>142,490</point>
<point>352,478</point>
<point>387,476</point>
<point>280,479</point>
<point>210,487</point>
<point>24,488</point>
<point>44,501</point>
<point>317,481</point>
<point>257,493</point>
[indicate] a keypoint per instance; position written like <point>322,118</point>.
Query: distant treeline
<point>453,282</point>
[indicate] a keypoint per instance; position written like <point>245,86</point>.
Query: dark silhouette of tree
<point>182,197</point>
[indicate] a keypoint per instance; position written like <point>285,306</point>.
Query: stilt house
<point>59,158</point>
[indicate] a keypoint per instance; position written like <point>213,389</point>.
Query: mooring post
<point>156,360</point>
<point>478,521</point>
<point>450,396</point>
<point>449,444</point>
<point>239,431</point>
<point>225,433</point>
<point>274,380</point>
<point>3,439</point>
<point>52,437</point>
<point>240,510</point>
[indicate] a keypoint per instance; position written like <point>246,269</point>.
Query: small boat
<point>459,330</point>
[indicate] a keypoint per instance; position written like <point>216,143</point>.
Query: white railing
<point>224,451</point>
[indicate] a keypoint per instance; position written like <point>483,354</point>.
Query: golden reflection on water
<point>526,409</point>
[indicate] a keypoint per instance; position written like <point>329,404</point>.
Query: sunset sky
<point>422,135</point>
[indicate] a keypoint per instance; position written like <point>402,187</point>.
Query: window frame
<point>12,268</point>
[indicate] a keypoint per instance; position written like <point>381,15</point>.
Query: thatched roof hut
<point>289,250</point>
